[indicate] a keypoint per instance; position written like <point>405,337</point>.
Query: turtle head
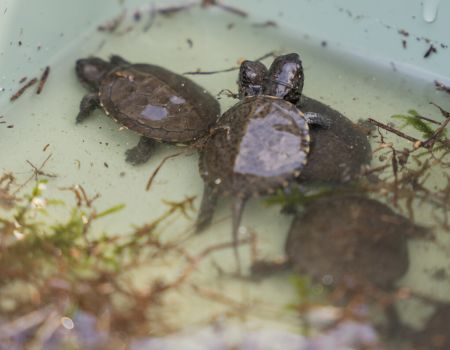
<point>90,71</point>
<point>251,77</point>
<point>285,78</point>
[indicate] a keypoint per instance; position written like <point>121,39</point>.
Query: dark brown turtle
<point>337,154</point>
<point>436,335</point>
<point>150,100</point>
<point>260,144</point>
<point>351,236</point>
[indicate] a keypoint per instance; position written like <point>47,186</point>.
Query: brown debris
<point>431,50</point>
<point>43,80</point>
<point>403,32</point>
<point>113,24</point>
<point>234,10</point>
<point>265,24</point>
<point>200,72</point>
<point>429,143</point>
<point>7,200</point>
<point>441,87</point>
<point>82,199</point>
<point>171,10</point>
<point>158,168</point>
<point>394,131</point>
<point>23,89</point>
<point>37,171</point>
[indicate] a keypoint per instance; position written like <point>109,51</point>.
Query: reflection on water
<point>89,258</point>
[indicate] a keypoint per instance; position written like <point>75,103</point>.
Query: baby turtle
<point>150,100</point>
<point>435,336</point>
<point>351,236</point>
<point>337,155</point>
<point>260,144</point>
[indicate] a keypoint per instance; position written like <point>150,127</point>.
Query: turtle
<point>435,335</point>
<point>351,236</point>
<point>156,103</point>
<point>337,154</point>
<point>259,145</point>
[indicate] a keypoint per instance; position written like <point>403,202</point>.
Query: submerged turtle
<point>351,236</point>
<point>260,144</point>
<point>435,336</point>
<point>150,100</point>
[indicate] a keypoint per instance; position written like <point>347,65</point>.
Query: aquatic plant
<point>399,175</point>
<point>61,284</point>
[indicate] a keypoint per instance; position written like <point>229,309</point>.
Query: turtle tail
<point>237,209</point>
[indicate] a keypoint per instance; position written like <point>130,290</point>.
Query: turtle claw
<point>141,152</point>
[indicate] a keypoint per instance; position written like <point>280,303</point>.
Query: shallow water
<point>92,154</point>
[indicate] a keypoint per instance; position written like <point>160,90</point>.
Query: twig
<point>36,171</point>
<point>395,171</point>
<point>113,24</point>
<point>375,170</point>
<point>81,196</point>
<point>164,11</point>
<point>23,89</point>
<point>170,10</point>
<point>432,139</point>
<point>39,171</point>
<point>199,72</point>
<point>441,87</point>
<point>158,168</point>
<point>427,119</point>
<point>43,80</point>
<point>234,10</point>
<point>265,24</point>
<point>431,50</point>
<point>227,93</point>
<point>394,131</point>
<point>187,203</point>
<point>88,200</point>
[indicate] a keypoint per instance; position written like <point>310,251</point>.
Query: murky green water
<point>92,154</point>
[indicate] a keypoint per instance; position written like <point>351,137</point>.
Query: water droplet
<point>430,8</point>
<point>327,280</point>
<point>67,323</point>
<point>19,235</point>
<point>242,230</point>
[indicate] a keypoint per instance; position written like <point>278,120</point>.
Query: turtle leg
<point>207,208</point>
<point>141,152</point>
<point>317,119</point>
<point>87,105</point>
<point>237,209</point>
<point>118,61</point>
<point>294,190</point>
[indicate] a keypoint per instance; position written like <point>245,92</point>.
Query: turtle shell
<point>435,336</point>
<point>351,236</point>
<point>260,144</point>
<point>157,103</point>
<point>339,152</point>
